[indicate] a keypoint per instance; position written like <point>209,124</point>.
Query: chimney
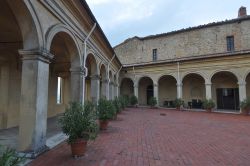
<point>242,12</point>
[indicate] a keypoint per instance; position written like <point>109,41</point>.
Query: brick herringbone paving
<point>144,137</point>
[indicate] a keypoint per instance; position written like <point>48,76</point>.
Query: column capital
<point>179,84</point>
<point>155,85</point>
<point>40,54</point>
<point>135,86</point>
<point>242,83</point>
<point>208,84</point>
<point>105,81</point>
<point>95,77</point>
<point>78,70</point>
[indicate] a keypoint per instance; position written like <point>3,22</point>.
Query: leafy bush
<point>152,101</point>
<point>105,109</point>
<point>133,100</point>
<point>245,104</point>
<point>79,121</point>
<point>117,105</point>
<point>122,102</point>
<point>126,100</point>
<point>9,157</point>
<point>208,104</point>
<point>178,102</point>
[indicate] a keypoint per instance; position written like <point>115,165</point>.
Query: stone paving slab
<point>145,137</point>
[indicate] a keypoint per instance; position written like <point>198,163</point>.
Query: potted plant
<point>178,103</point>
<point>122,102</point>
<point>117,106</point>
<point>152,102</point>
<point>245,106</point>
<point>133,100</point>
<point>106,111</point>
<point>126,100</point>
<point>208,104</point>
<point>9,157</point>
<point>79,123</point>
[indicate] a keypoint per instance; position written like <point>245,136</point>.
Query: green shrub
<point>133,100</point>
<point>208,104</point>
<point>245,104</point>
<point>79,121</point>
<point>152,101</point>
<point>122,102</point>
<point>117,105</point>
<point>105,109</point>
<point>178,102</point>
<point>126,100</point>
<point>9,157</point>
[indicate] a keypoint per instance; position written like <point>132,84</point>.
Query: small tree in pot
<point>106,111</point>
<point>208,104</point>
<point>245,106</point>
<point>79,123</point>
<point>152,102</point>
<point>178,103</point>
<point>133,100</point>
<point>122,102</point>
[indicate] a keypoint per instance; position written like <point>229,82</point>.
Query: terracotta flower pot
<point>78,148</point>
<point>103,124</point>
<point>245,112</point>
<point>209,110</point>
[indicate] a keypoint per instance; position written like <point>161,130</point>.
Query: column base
<point>34,154</point>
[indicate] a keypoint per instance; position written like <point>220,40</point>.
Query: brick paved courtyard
<point>144,137</point>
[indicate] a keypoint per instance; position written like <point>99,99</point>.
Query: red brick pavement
<point>144,137</point>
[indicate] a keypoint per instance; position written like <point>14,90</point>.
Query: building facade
<point>205,62</point>
<point>51,53</point>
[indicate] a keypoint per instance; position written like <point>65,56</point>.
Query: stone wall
<point>186,43</point>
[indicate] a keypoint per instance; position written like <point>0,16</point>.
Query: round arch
<point>145,90</point>
<point>164,75</point>
<point>225,90</point>
<point>126,87</point>
<point>167,90</point>
<point>195,73</point>
<point>226,71</point>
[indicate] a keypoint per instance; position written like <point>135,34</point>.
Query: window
<point>154,54</point>
<point>230,43</point>
<point>59,90</point>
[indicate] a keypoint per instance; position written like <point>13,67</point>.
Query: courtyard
<point>143,136</point>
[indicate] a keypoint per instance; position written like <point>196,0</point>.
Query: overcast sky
<point>122,19</point>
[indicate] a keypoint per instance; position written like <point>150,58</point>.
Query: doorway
<point>150,93</point>
<point>227,98</point>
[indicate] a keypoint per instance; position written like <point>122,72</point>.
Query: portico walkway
<point>145,137</point>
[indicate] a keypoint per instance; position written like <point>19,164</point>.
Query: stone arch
<point>225,90</point>
<point>103,80</point>
<point>28,23</point>
<point>163,75</point>
<point>126,87</point>
<point>193,90</point>
<point>196,72</point>
<point>145,89</point>
<point>218,71</point>
<point>59,28</point>
<point>167,90</point>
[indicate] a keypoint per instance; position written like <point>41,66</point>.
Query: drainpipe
<point>108,75</point>
<point>117,77</point>
<point>84,62</point>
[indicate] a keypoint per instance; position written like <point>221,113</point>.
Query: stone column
<point>136,91</point>
<point>111,90</point>
<point>4,95</point>
<point>156,93</point>
<point>208,90</point>
<point>179,90</point>
<point>105,87</point>
<point>77,77</point>
<point>242,90</point>
<point>95,88</point>
<point>115,90</point>
<point>34,101</point>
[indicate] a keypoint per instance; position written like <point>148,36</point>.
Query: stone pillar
<point>95,88</point>
<point>111,90</point>
<point>115,90</point>
<point>4,95</point>
<point>105,87</point>
<point>34,102</point>
<point>208,90</point>
<point>136,91</point>
<point>242,91</point>
<point>179,90</point>
<point>118,90</point>
<point>76,83</point>
<point>156,93</point>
